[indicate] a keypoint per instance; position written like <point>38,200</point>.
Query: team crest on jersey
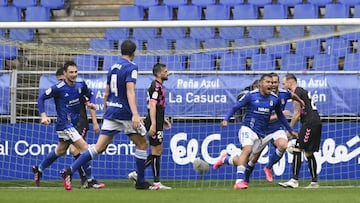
<point>282,101</point>
<point>79,90</point>
<point>271,102</point>
<point>134,74</point>
<point>48,91</point>
<point>154,95</point>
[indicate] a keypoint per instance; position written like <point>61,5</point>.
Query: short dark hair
<point>67,64</point>
<point>59,71</point>
<point>128,47</point>
<point>266,75</point>
<point>290,76</point>
<point>157,68</point>
<point>275,75</point>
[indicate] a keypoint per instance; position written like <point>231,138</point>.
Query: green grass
<point>194,192</point>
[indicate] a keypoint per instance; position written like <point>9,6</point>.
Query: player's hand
<point>45,120</point>
<point>90,105</point>
<point>292,134</point>
<point>152,130</point>
<point>287,113</point>
<point>223,123</point>
<point>96,128</point>
<point>135,121</point>
<point>167,123</point>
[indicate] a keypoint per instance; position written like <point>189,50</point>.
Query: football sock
<point>312,167</point>
<point>274,158</point>
<point>88,170</point>
<point>148,160</point>
<point>50,158</point>
<point>240,173</point>
<point>140,158</point>
<point>296,165</point>
<point>249,169</point>
<point>80,170</point>
<point>155,164</point>
<point>84,157</point>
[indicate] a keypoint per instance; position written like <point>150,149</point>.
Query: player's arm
<point>49,93</point>
<point>296,115</point>
<point>106,95</point>
<point>130,92</point>
<point>283,120</point>
<point>298,99</point>
<point>167,123</point>
<point>89,97</point>
<point>94,121</point>
<point>242,102</point>
<point>152,110</point>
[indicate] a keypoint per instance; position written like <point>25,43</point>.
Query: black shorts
<point>309,137</point>
<point>82,130</point>
<point>158,138</point>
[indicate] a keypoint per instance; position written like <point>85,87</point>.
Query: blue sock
<point>274,158</point>
<point>140,158</point>
<point>249,169</point>
<point>226,160</point>
<point>240,173</point>
<point>81,161</point>
<point>88,170</point>
<point>50,158</point>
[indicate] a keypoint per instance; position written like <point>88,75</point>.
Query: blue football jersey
<point>284,95</point>
<point>67,102</point>
<point>258,111</point>
<point>117,105</point>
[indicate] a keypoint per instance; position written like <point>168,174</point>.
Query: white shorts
<point>112,127</point>
<point>260,144</point>
<point>247,136</point>
<point>69,135</point>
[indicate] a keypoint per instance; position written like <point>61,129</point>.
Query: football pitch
<point>122,191</point>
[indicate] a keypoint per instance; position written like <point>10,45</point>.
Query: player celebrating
<point>309,135</point>
<point>67,96</point>
<point>121,114</point>
<point>155,122</point>
<point>260,103</point>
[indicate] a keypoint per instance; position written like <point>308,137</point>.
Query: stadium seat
<point>261,62</point>
<point>86,62</point>
<point>325,62</point>
<point>175,3</point>
<point>173,33</point>
<point>145,33</point>
<point>293,62</point>
<point>291,32</point>
<point>305,11</point>
<point>8,52</point>
<point>289,2</point>
<point>231,32</point>
<point>337,46</point>
<point>189,12</point>
<point>308,47</point>
<point>217,12</point>
<point>24,3</point>
<point>231,2</point>
<point>244,12</point>
<point>203,2</point>
<point>37,13</point>
<point>320,2</point>
<point>10,14</point>
<point>131,13</point>
<point>2,33</point>
<point>277,49</point>
<point>53,4</point>
<point>158,44</point>
<point>116,33</point>
<point>275,11</point>
<point>101,45</point>
<point>246,46</point>
<point>187,44</point>
<point>232,62</point>
<point>146,3</point>
<point>352,62</point>
<point>260,2</point>
<point>109,61</point>
<point>161,12</point>
<point>349,2</point>
<point>145,62</point>
<point>26,35</point>
<point>336,11</point>
<point>216,46</point>
<point>201,62</point>
<point>174,62</point>
<point>3,2</point>
<point>1,63</point>
<point>202,33</point>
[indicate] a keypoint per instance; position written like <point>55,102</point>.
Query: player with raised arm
<point>155,122</point>
<point>121,115</point>
<point>260,103</point>
<point>309,136</point>
<point>67,96</point>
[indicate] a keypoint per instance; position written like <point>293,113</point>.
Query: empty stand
<point>8,52</point>
<point>189,12</point>
<point>158,44</point>
<point>202,33</point>
<point>2,33</point>
<point>325,62</point>
<point>305,11</point>
<point>3,2</point>
<point>37,13</point>
<point>217,12</point>
<point>24,3</point>
<point>174,62</point>
<point>116,33</point>
<point>131,13</point>
<point>290,2</point>
<point>53,4</point>
<point>308,47</point>
<point>320,2</point>
<point>145,33</point>
<point>101,45</point>
<point>293,62</point>
<point>352,62</point>
<point>109,61</point>
<point>175,3</point>
<point>337,46</point>
<point>187,44</point>
<point>25,35</point>
<point>349,2</point>
<point>203,2</point>
<point>201,62</point>
<point>86,62</point>
<point>1,63</point>
<point>262,62</point>
<point>162,12</point>
<point>173,33</point>
<point>246,46</point>
<point>10,14</point>
<point>145,62</point>
<point>244,12</point>
<point>277,50</point>
<point>232,61</point>
<point>146,3</point>
<point>260,2</point>
<point>231,2</point>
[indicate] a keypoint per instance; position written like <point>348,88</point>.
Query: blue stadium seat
<point>131,13</point>
<point>289,2</point>
<point>349,2</point>
<point>231,2</point>
<point>37,13</point>
<point>109,61</point>
<point>189,12</point>
<point>320,2</point>
<point>277,50</point>
<point>231,32</point>
<point>352,62</point>
<point>144,33</point>
<point>245,12</point>
<point>336,11</point>
<point>10,14</point>
<point>216,43</point>
<point>24,3</point>
<point>201,62</point>
<point>2,33</point>
<point>202,32</point>
<point>308,47</point>
<point>173,33</point>
<point>174,62</point>
<point>203,2</point>
<point>86,62</point>
<point>145,62</point>
<point>260,2</point>
<point>1,63</point>
<point>26,35</point>
<point>175,3</point>
<point>187,44</point>
<point>217,12</point>
<point>337,46</point>
<point>161,12</point>
<point>3,2</point>
<point>116,33</point>
<point>262,62</point>
<point>246,46</point>
<point>8,52</point>
<point>158,44</point>
<point>356,11</point>
<point>291,32</point>
<point>275,11</point>
<point>305,11</point>
<point>53,4</point>
<point>325,62</point>
<point>101,45</point>
<point>232,62</point>
<point>293,62</point>
<point>146,3</point>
